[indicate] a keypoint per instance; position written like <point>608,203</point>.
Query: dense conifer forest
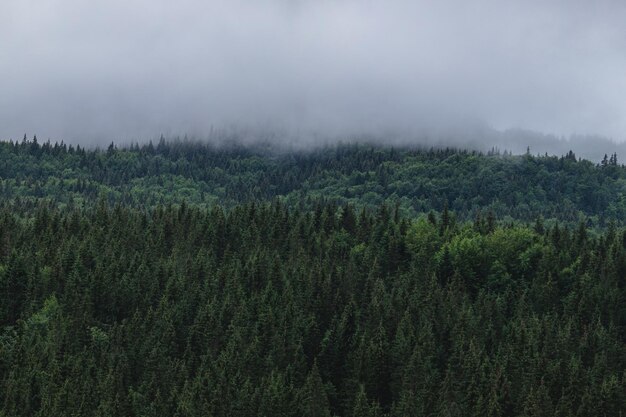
<point>183,279</point>
<point>512,188</point>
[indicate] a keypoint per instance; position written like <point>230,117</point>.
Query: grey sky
<point>132,69</point>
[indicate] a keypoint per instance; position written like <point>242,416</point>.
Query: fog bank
<point>92,72</point>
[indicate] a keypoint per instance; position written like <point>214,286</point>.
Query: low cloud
<point>132,69</point>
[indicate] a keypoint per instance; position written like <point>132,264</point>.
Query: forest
<point>188,279</point>
<point>512,187</point>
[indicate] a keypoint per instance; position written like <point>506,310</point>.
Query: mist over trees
<point>471,136</point>
<point>400,208</point>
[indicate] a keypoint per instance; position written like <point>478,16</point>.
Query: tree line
<point>517,188</point>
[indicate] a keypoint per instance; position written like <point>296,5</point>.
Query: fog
<point>102,70</point>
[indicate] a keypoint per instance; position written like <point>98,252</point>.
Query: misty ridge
<point>305,72</point>
<point>473,138</point>
<point>312,208</point>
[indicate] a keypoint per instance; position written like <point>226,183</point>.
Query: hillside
<point>264,311</point>
<point>511,187</point>
<point>186,280</point>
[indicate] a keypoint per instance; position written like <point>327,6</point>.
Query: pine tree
<point>312,397</point>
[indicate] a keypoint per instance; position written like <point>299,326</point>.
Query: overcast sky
<point>132,69</point>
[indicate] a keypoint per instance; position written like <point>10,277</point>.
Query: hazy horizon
<point>103,71</point>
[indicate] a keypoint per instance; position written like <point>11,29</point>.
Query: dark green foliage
<point>263,310</point>
<point>187,280</point>
<point>415,181</point>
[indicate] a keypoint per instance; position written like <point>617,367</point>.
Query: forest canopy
<point>182,279</point>
<point>417,180</point>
